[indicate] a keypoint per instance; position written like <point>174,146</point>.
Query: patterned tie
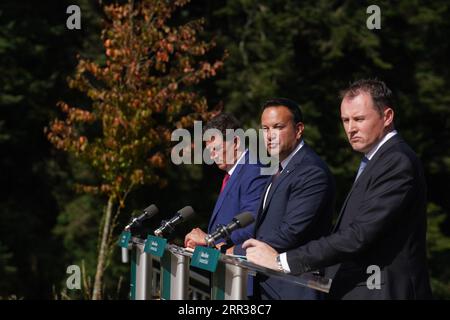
<point>272,180</point>
<point>226,177</point>
<point>362,166</point>
<point>275,176</point>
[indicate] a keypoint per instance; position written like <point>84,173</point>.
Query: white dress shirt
<point>241,159</point>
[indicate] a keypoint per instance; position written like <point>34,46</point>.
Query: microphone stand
<point>165,230</point>
<point>226,236</point>
<point>227,245</point>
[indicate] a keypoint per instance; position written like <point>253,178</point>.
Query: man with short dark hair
<point>297,203</point>
<point>378,246</point>
<point>242,184</point>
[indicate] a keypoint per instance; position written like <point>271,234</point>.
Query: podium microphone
<point>136,224</point>
<point>167,227</point>
<point>240,221</point>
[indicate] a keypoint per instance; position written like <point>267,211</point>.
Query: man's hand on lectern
<point>261,253</point>
<point>195,238</point>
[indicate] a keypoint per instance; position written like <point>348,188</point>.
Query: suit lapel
<point>292,165</point>
<point>342,211</point>
<point>234,177</point>
<point>371,164</point>
<point>260,207</point>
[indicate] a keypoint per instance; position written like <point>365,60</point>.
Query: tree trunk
<point>101,258</point>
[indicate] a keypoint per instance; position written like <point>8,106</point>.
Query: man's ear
<point>299,127</point>
<point>388,117</point>
<point>237,142</point>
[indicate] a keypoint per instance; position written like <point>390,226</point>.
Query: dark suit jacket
<point>298,209</point>
<point>382,223</point>
<point>242,193</point>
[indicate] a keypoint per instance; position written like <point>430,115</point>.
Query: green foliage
<point>75,226</point>
<point>304,50</point>
<point>143,91</point>
<point>36,55</point>
<point>438,252</point>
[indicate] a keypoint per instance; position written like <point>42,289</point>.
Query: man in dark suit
<point>242,184</point>
<point>378,247</point>
<point>297,203</point>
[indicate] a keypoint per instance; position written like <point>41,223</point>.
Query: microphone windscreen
<point>244,219</point>
<point>186,212</point>
<point>151,210</point>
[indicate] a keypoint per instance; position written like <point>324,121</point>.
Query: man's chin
<point>222,166</point>
<point>274,152</point>
<point>359,148</point>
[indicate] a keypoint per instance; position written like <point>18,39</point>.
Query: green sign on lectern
<point>205,258</point>
<point>155,246</point>
<point>124,239</point>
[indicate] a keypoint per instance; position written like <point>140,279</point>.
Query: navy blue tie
<point>362,166</point>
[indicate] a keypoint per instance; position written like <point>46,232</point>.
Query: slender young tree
<point>142,92</point>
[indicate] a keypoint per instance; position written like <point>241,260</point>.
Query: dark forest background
<point>304,50</point>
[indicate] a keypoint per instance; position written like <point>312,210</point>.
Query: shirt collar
<point>285,162</point>
<point>369,155</point>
